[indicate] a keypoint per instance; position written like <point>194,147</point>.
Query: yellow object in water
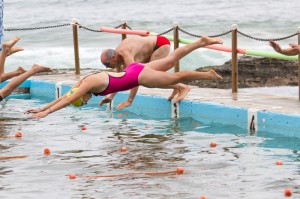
<point>78,102</point>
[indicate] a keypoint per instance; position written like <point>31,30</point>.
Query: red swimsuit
<point>161,41</point>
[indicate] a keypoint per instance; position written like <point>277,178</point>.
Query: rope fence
<point>163,33</point>
<point>124,29</point>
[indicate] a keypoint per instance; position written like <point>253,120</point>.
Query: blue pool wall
<point>287,124</point>
<point>159,108</point>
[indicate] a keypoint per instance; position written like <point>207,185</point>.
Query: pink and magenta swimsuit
<point>128,81</point>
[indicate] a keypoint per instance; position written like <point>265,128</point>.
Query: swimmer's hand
<point>295,47</point>
<point>123,105</point>
<point>41,114</point>
<point>33,110</point>
<point>105,100</point>
<point>275,46</point>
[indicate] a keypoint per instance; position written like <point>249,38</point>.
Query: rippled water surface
<point>241,166</point>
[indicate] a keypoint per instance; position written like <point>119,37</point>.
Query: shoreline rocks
<point>253,72</point>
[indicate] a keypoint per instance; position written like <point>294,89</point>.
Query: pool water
<point>241,166</point>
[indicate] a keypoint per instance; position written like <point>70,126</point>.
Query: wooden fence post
<point>176,43</point>
<point>76,46</point>
<point>123,26</point>
<point>234,62</point>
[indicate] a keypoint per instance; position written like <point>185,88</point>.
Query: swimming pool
<point>241,166</point>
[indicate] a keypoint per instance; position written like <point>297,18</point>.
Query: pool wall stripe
<point>159,108</point>
<point>252,121</point>
<point>174,110</point>
<point>58,89</point>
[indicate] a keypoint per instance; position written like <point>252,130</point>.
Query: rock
<point>253,72</point>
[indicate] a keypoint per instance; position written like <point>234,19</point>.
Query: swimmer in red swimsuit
<point>139,74</point>
<point>142,50</point>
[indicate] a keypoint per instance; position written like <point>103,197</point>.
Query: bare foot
<point>39,68</point>
<point>14,49</point>
<point>174,93</point>
<point>214,75</point>
<point>9,44</point>
<point>182,93</point>
<point>209,41</point>
<point>20,70</point>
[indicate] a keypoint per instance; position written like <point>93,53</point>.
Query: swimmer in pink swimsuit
<point>135,74</point>
<point>128,81</point>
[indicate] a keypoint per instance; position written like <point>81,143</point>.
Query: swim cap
<point>78,102</point>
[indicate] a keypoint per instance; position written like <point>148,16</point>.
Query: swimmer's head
<point>79,101</point>
<point>106,57</point>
